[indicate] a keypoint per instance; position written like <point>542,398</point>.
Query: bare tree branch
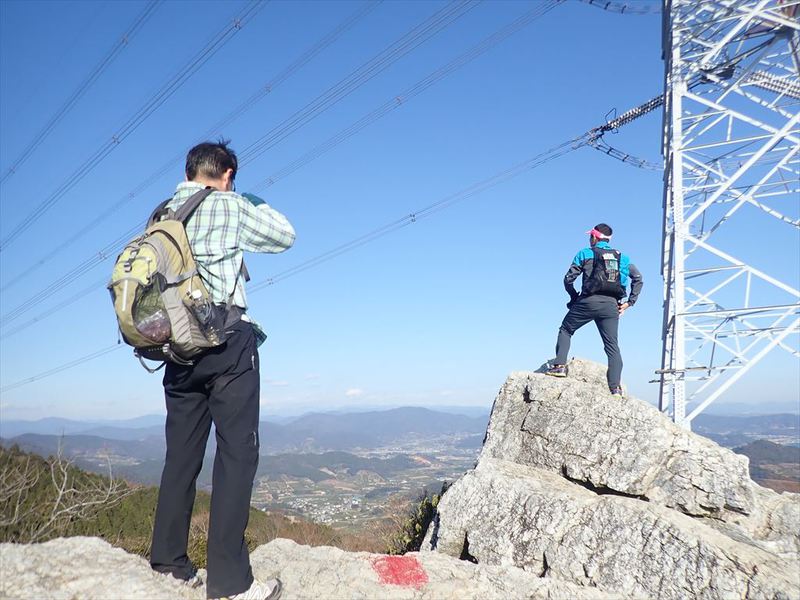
<point>69,497</point>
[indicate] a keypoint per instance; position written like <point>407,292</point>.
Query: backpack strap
<point>184,212</point>
<point>158,212</point>
<point>187,208</point>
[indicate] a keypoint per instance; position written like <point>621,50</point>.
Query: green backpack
<point>163,307</point>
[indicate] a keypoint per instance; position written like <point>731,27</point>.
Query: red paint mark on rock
<point>400,570</point>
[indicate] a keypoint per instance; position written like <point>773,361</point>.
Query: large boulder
<point>575,428</point>
<point>576,484</point>
<point>504,513</point>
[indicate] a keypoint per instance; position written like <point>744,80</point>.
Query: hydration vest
<point>605,278</point>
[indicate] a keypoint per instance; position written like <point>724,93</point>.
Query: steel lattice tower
<point>731,148</point>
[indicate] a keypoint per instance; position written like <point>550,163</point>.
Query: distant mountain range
<point>739,430</point>
<point>136,428</point>
<point>316,444</point>
<point>143,438</point>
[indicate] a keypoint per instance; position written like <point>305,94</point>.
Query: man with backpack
<point>606,273</point>
<point>219,384</point>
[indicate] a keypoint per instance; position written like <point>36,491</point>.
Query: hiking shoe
<point>269,590</point>
<point>557,371</point>
<point>617,391</point>
<point>195,581</point>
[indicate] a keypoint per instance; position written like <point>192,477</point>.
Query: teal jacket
<point>582,265</point>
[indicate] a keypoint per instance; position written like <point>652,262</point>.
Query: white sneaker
<point>269,590</point>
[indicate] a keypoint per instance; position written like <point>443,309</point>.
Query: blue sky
<point>437,313</point>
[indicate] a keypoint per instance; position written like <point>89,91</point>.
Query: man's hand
<point>623,307</point>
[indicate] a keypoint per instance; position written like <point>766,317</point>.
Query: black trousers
<point>604,311</point>
<point>222,386</point>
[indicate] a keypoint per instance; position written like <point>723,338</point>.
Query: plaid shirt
<point>223,227</point>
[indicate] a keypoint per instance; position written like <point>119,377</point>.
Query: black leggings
<point>604,312</point>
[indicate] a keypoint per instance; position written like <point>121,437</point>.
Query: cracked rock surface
<point>506,513</point>
<point>83,567</point>
<point>607,492</point>
<point>91,569</point>
<point>574,427</point>
<point>326,572</point>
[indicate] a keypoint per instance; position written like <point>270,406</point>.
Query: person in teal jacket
<point>606,274</point>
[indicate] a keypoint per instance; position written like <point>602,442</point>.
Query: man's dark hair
<point>211,159</point>
<point>604,229</point>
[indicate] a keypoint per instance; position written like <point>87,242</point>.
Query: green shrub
<point>411,529</point>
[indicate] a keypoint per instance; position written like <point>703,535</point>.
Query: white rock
<point>325,572</point>
<point>86,568</point>
<point>575,428</point>
<point>504,513</point>
<point>91,569</point>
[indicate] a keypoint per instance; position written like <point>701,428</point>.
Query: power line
<point>64,367</point>
<point>155,102</point>
<point>627,8</point>
<point>413,217</point>
<point>373,67</point>
<point>259,94</point>
<point>597,141</point>
<point>61,305</point>
<point>82,88</point>
<point>398,100</point>
<point>412,39</point>
<point>469,192</point>
<point>65,56</point>
<point>304,59</point>
<point>403,97</point>
<point>408,219</point>
<point>427,211</point>
<point>115,246</point>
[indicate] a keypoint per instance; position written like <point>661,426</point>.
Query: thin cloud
<point>354,392</point>
<point>276,382</point>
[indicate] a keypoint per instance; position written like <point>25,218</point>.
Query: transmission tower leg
<point>731,148</point>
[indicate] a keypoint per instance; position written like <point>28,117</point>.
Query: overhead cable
<point>373,67</point>
<point>64,367</point>
<point>82,88</point>
<point>262,91</point>
<point>371,117</point>
<point>408,219</point>
<point>403,97</point>
<point>427,211</point>
<point>52,310</point>
<point>404,221</point>
<point>152,104</point>
<point>626,8</point>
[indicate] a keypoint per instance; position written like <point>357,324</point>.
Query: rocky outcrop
<point>506,513</point>
<point>578,485</point>
<point>326,572</point>
<point>622,445</point>
<point>83,567</point>
<point>89,568</point>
